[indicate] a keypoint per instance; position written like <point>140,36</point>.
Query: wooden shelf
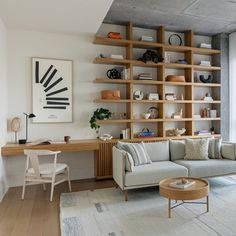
<point>112,81</point>
<point>146,120</point>
<point>206,68</point>
<point>201,101</point>
<point>112,101</point>
<point>147,82</point>
<point>169,83</point>
<point>111,42</point>
<point>205,51</point>
<point>111,61</point>
<point>147,101</point>
<point>206,119</point>
<point>178,101</point>
<point>114,121</point>
<point>180,119</point>
<point>206,85</point>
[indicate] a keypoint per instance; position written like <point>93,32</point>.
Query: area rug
<point>104,212</point>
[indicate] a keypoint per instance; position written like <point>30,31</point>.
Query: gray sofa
<point>168,161</point>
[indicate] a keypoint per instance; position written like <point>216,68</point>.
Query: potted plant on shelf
<point>99,114</point>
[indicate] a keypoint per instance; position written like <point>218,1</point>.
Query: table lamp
<point>27,116</point>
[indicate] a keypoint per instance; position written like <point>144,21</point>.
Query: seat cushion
<point>154,173</point>
<point>208,168</point>
<point>157,151</point>
<point>47,169</point>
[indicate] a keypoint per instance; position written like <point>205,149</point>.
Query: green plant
<point>99,114</point>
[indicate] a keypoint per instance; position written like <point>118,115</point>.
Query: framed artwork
<point>52,90</point>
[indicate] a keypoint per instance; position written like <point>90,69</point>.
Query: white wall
<point>3,103</point>
<point>22,45</point>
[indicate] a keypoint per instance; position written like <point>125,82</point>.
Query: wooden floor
<point>36,215</point>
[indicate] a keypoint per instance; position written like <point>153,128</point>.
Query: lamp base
<point>22,141</point>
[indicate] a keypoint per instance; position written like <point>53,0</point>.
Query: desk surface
<point>12,149</point>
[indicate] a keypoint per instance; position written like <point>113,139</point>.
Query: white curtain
<point>232,85</point>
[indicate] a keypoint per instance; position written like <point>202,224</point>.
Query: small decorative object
<point>99,114</point>
<point>113,74</point>
<point>146,38</point>
<point>207,98</point>
<point>102,55</point>
<point>207,80</point>
<point>110,94</point>
<point>154,112</point>
<point>145,133</point>
<point>177,115</point>
<point>213,113</point>
<point>153,96</point>
<point>15,126</point>
<point>175,39</point>
<point>52,90</point>
<point>105,137</point>
<point>170,96</point>
<point>182,96</point>
<point>125,74</point>
<point>205,113</point>
<point>27,117</point>
<point>182,183</point>
<point>175,78</point>
<point>144,76</point>
<point>167,57</point>
<point>182,62</point>
<point>179,132</point>
<point>125,133</point>
<point>196,116</point>
<point>67,139</point>
<point>117,56</point>
<point>138,95</point>
<point>146,115</point>
<point>212,130</point>
<point>150,55</point>
<point>114,35</point>
<point>205,63</point>
<point>205,45</point>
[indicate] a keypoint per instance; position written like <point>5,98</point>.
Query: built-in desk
<point>102,151</point>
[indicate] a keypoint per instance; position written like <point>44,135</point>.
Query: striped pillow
<point>138,153</point>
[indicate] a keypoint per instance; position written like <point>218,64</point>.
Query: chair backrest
<point>33,158</point>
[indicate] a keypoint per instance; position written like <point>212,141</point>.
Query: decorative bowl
<point>146,115</point>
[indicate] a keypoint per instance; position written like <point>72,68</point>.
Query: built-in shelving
<point>160,85</point>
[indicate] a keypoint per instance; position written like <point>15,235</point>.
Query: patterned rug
<point>104,212</point>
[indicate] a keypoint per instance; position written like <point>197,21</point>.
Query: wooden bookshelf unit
<point>159,83</point>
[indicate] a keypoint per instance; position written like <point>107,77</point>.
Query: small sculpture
<point>150,55</point>
<point>178,114</point>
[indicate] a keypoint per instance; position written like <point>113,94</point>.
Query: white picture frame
<point>52,90</point>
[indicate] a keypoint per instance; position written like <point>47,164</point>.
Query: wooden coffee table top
<point>199,190</point>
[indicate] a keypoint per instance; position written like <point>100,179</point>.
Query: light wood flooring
<point>36,215</point>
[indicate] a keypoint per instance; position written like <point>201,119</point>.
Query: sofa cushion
<point>208,168</point>
<point>228,150</point>
<point>196,149</point>
<point>157,151</point>
<point>177,149</point>
<point>154,173</point>
<point>129,162</point>
<point>137,151</point>
<point>214,149</point>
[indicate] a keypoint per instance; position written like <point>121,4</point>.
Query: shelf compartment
<point>177,66</point>
<point>111,61</point>
<point>177,101</point>
<point>111,42</point>
<point>147,82</point>
<point>147,101</point>
<point>112,81</point>
<point>205,51</point>
<point>112,101</point>
<point>174,120</point>
<point>206,68</point>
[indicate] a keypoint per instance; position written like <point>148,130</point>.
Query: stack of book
<point>145,76</point>
<point>205,63</point>
<point>125,133</point>
<point>204,132</point>
<point>205,45</point>
<point>146,38</point>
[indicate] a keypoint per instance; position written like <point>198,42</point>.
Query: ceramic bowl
<point>146,115</point>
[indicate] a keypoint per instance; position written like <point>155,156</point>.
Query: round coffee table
<point>199,190</point>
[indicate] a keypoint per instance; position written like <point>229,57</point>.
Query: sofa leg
<point>126,195</point>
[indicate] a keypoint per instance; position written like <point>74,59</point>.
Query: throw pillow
<point>196,149</point>
<point>177,149</point>
<point>214,150</point>
<point>228,150</point>
<point>157,151</point>
<point>137,152</point>
<point>129,163</point>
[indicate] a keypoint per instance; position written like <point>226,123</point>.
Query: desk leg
<point>207,203</point>
<point>169,208</point>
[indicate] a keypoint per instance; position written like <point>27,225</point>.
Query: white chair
<point>35,173</point>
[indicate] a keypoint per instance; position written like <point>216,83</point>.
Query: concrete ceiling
<point>202,16</point>
<point>63,16</point>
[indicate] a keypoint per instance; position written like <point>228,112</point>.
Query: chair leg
<point>68,177</point>
<point>23,190</point>
<point>52,190</point>
<point>126,195</point>
<point>44,187</point>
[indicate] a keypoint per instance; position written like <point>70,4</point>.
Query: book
<point>44,142</point>
<point>180,185</point>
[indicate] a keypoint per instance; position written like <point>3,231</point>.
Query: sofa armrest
<point>118,162</point>
<point>228,150</point>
